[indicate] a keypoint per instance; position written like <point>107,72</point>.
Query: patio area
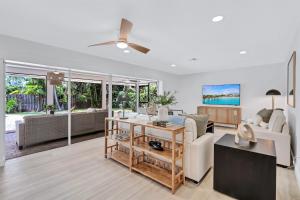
<point>12,150</point>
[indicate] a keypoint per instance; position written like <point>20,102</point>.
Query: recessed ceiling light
<point>217,18</point>
<point>126,51</point>
<point>173,65</point>
<point>243,52</point>
<point>122,45</point>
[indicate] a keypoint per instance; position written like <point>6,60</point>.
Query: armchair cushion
<point>276,121</point>
<point>265,114</point>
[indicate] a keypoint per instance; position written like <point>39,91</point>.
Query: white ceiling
<point>175,30</point>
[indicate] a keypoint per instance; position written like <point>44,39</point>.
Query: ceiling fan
<point>122,42</point>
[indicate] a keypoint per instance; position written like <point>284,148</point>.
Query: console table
<point>245,173</point>
<point>223,115</point>
<point>165,167</point>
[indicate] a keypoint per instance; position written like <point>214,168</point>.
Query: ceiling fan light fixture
<point>122,45</point>
<point>243,52</point>
<point>217,18</point>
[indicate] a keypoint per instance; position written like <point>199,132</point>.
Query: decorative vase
<point>163,113</point>
<point>245,135</point>
<point>51,112</point>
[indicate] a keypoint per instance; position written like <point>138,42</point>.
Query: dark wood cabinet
<point>245,173</point>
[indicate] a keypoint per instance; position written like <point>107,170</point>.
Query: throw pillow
<point>201,123</point>
<point>90,110</point>
<point>265,114</point>
<point>277,121</point>
<point>179,120</point>
<point>257,120</point>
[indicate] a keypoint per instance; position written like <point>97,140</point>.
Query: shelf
<point>120,157</point>
<point>158,174</point>
<point>125,143</point>
<point>166,154</point>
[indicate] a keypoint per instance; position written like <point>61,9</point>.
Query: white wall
<point>31,52</point>
<point>255,81</point>
<point>294,113</point>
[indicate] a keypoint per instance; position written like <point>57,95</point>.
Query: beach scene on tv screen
<point>228,94</point>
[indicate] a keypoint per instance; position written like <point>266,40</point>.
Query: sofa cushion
<point>257,120</point>
<point>277,121</point>
<point>265,114</point>
<point>285,129</point>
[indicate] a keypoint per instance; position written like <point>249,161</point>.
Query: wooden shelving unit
<point>138,156</point>
<point>160,175</point>
<point>120,157</point>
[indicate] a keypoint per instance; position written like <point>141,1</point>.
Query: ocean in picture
<point>227,94</point>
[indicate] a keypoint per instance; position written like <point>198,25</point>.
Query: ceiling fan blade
<point>125,29</point>
<point>103,43</point>
<point>139,48</point>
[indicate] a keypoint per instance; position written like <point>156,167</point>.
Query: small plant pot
<point>51,112</point>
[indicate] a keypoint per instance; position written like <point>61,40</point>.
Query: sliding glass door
<point>88,105</point>
<point>147,93</point>
<point>26,95</point>
<point>123,98</point>
<point>37,111</point>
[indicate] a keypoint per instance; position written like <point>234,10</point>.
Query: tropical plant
<point>168,98</point>
<point>49,107</point>
<point>127,97</point>
<point>11,105</point>
<point>16,85</point>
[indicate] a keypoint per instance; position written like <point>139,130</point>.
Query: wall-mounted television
<point>227,94</point>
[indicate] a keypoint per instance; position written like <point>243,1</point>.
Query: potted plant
<point>51,108</point>
<point>168,98</point>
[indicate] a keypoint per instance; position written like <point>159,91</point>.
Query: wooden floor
<point>81,172</point>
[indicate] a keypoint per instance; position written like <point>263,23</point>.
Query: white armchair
<point>282,142</point>
<point>278,131</point>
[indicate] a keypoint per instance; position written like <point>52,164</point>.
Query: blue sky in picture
<point>221,89</point>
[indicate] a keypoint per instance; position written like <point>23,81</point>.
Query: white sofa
<point>198,151</point>
<point>278,131</point>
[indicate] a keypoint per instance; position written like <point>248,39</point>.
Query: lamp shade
<point>273,92</point>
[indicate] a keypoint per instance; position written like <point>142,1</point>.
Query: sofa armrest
<point>282,143</point>
<point>268,134</point>
<point>20,133</point>
<point>199,157</point>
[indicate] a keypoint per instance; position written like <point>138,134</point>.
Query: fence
<point>28,103</point>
